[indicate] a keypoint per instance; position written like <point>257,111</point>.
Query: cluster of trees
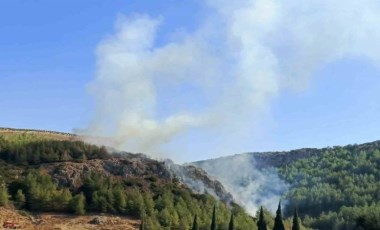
<point>166,206</point>
<point>337,189</point>
<point>43,151</point>
<point>261,222</point>
<point>278,221</point>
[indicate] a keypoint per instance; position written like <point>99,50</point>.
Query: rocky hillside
<point>118,164</point>
<point>139,169</point>
<point>42,171</point>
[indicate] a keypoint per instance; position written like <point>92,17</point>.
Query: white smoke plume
<point>242,56</point>
<point>215,85</point>
<point>251,187</point>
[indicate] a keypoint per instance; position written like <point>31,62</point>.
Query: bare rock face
<point>136,166</point>
<point>71,174</point>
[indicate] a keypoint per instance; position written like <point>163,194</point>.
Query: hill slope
<point>333,188</point>
<point>55,172</point>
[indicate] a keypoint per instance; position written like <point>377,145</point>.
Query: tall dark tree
<point>231,225</point>
<point>141,225</point>
<point>278,224</point>
<point>213,222</point>
<point>195,223</point>
<point>296,223</point>
<point>261,225</point>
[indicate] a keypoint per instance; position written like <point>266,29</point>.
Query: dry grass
<point>54,221</point>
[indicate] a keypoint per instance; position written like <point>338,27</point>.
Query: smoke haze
<point>213,87</point>
<point>251,186</point>
<point>221,78</point>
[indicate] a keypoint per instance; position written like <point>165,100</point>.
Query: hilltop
<point>36,134</point>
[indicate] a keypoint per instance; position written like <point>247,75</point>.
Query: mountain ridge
<point>277,158</point>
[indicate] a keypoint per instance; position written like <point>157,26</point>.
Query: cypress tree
<point>195,223</point>
<point>142,224</point>
<point>278,224</point>
<point>231,225</point>
<point>296,223</point>
<point>261,225</point>
<point>213,222</point>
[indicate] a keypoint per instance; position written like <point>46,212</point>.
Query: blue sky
<point>49,60</point>
<point>47,56</point>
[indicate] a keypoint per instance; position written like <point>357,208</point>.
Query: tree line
<point>45,151</point>
<point>261,223</point>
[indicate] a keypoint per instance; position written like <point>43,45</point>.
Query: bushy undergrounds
<point>338,188</point>
<point>164,204</point>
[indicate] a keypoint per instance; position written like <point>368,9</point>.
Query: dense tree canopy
<point>43,151</point>
<point>337,189</point>
<point>164,205</point>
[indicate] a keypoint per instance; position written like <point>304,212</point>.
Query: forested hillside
<point>338,188</point>
<point>333,188</point>
<point>42,174</point>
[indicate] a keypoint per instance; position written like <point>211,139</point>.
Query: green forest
<point>338,188</point>
<point>160,205</point>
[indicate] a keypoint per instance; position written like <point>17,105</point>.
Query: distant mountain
<point>333,188</point>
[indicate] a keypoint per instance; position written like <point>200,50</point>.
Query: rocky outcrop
<point>138,167</point>
<point>71,174</point>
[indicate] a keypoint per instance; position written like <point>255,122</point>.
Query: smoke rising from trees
<point>214,86</point>
<point>222,77</point>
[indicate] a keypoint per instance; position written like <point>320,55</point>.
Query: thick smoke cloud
<point>216,84</point>
<point>241,58</point>
<point>250,185</point>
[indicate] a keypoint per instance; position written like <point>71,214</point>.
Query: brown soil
<point>57,221</point>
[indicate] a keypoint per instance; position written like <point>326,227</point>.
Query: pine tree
<point>165,218</point>
<point>278,224</point>
<point>195,223</point>
<point>213,222</point>
<point>3,196</point>
<point>296,223</point>
<point>78,204</point>
<point>261,225</point>
<point>120,200</point>
<point>231,225</point>
<point>20,198</point>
